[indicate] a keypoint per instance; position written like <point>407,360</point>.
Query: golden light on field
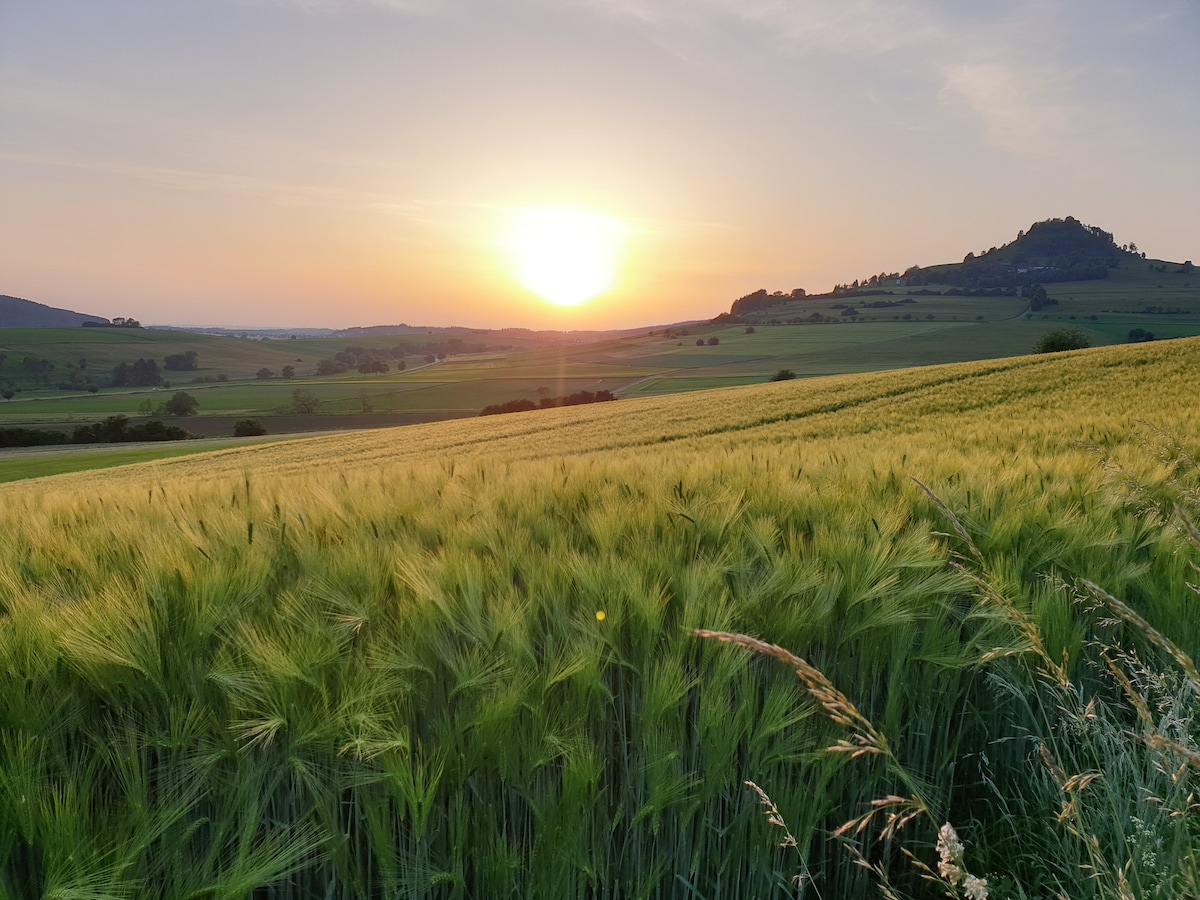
<point>566,257</point>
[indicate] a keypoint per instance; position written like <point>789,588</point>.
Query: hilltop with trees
<point>1053,251</point>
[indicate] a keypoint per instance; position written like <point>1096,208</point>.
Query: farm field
<point>457,660</point>
<point>924,329</point>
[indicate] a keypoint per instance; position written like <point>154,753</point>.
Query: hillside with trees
<point>1053,250</point>
<point>1050,252</point>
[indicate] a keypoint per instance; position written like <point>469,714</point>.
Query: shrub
<point>248,428</point>
<point>783,375</point>
<point>1061,339</point>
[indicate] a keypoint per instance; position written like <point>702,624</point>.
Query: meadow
<point>457,660</point>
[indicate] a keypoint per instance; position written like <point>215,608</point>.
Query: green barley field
<point>457,660</point>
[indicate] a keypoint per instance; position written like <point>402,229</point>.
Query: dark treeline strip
<point>113,430</point>
<point>523,405</point>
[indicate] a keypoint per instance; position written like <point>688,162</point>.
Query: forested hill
<point>1050,251</point>
<point>18,313</point>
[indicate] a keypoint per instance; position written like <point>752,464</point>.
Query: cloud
<point>856,26</point>
<point>1023,106</point>
<point>280,193</point>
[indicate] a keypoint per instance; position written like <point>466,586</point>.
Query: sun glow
<point>566,257</point>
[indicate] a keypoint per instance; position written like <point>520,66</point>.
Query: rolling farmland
<point>456,660</point>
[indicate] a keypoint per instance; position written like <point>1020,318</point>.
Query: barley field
<point>458,660</point>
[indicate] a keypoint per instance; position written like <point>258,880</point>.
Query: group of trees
<point>113,430</point>
<point>264,374</point>
<point>760,300</point>
<point>147,373</point>
<point>372,360</point>
<point>182,362</point>
<point>523,405</point>
<point>142,373</point>
<point>873,281</point>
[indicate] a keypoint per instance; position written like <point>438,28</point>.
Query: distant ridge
<point>18,313</point>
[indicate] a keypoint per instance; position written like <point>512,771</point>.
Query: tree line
<point>113,430</point>
<point>523,405</point>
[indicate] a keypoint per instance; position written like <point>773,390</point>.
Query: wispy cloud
<point>281,193</point>
<point>1016,102</point>
<point>860,26</point>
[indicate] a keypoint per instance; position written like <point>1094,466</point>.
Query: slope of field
<point>455,660</point>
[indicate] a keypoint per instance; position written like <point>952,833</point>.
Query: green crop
<point>456,660</point>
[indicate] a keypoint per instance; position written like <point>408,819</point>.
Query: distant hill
<point>18,313</point>
<point>1051,252</point>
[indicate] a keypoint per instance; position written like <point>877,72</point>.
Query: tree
<point>783,375</point>
<point>248,428</point>
<point>749,329</point>
<point>699,342</point>
<point>181,404</point>
<point>304,401</point>
<point>1061,339</point>
<point>713,341</point>
<point>181,362</point>
<point>288,372</point>
<point>1140,335</point>
<point>264,373</point>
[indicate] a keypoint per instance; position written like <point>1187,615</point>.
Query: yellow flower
<point>600,617</point>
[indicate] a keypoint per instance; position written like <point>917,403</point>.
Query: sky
<point>332,163</point>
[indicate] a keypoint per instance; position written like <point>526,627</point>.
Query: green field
<point>38,463</point>
<point>456,660</point>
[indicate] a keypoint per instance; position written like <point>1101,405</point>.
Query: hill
<point>456,660</point>
<point>18,313</point>
<point>1051,252</point>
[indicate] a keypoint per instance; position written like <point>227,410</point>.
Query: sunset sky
<point>330,163</point>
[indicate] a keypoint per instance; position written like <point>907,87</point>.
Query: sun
<point>566,257</point>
